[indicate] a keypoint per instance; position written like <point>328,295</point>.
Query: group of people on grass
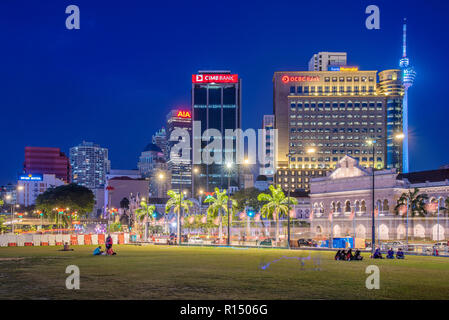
<point>390,254</point>
<point>347,255</point>
<point>109,251</point>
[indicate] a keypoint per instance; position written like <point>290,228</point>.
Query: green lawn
<point>163,272</point>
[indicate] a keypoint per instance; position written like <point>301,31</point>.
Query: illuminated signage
<point>30,177</point>
<point>287,79</point>
<point>215,78</point>
<point>184,114</point>
<point>349,68</point>
<point>339,68</point>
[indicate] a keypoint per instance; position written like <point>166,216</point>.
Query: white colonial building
<point>342,203</point>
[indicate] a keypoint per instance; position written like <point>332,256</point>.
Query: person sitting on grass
<point>343,255</point>
<point>357,255</point>
<point>377,254</point>
<point>66,247</point>
<point>400,254</point>
<point>390,254</point>
<point>110,252</point>
<point>338,255</point>
<point>349,255</point>
<point>98,252</point>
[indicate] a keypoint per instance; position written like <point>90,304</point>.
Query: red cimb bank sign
<point>287,79</point>
<point>216,78</point>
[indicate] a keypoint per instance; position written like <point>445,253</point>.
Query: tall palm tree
<point>416,205</point>
<point>177,203</point>
<point>276,205</point>
<point>416,202</point>
<point>219,205</point>
<point>143,213</point>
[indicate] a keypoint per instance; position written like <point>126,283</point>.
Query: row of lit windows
<point>327,89</point>
<point>334,130</point>
<point>341,123</point>
<point>349,79</point>
<point>328,159</point>
<point>335,116</point>
<point>335,104</point>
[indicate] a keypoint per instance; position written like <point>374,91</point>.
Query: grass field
<point>163,272</point>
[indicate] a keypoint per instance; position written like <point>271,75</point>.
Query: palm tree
<point>219,205</point>
<point>177,203</point>
<point>416,204</point>
<point>143,213</point>
<point>277,204</point>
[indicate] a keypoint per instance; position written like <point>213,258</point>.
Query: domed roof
<point>261,178</point>
<point>152,147</point>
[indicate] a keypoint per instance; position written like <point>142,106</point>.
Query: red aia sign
<point>216,78</point>
<point>287,79</point>
<point>184,114</point>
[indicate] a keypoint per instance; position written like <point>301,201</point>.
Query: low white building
<point>33,185</point>
<point>342,203</point>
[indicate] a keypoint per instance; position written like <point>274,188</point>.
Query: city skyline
<point>110,91</point>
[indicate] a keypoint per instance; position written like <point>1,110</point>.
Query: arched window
<point>386,206</point>
<point>338,207</point>
<point>347,206</point>
<point>363,207</point>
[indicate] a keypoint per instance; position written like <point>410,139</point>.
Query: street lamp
<point>229,167</point>
<point>373,227</point>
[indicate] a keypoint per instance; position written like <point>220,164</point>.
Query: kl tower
<point>408,76</point>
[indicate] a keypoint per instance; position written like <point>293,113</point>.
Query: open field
<point>163,272</point>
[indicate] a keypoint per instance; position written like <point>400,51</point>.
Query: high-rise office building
<point>153,167</point>
<point>179,165</point>
<point>322,116</point>
<point>34,185</point>
<point>160,139</point>
<point>322,61</point>
<point>90,164</point>
<point>216,104</point>
<point>43,160</point>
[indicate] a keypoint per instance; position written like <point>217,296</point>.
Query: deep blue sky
<point>114,80</point>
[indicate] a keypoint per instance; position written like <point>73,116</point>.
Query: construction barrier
<point>10,240</point>
<point>95,239</point>
<point>121,238</point>
<point>87,239</point>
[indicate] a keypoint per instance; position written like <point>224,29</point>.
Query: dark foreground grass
<point>162,272</point>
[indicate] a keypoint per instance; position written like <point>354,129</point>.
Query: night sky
<point>114,80</point>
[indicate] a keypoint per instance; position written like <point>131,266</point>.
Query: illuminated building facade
<point>408,77</point>
<point>268,169</point>
<point>322,61</point>
<point>321,116</point>
<point>90,165</point>
<point>179,167</point>
<point>216,103</point>
<point>44,160</point>
<point>34,185</point>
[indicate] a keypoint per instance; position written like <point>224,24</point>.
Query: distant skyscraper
<point>160,139</point>
<point>321,61</point>
<point>268,169</point>
<point>408,76</point>
<point>216,103</point>
<point>43,160</point>
<point>90,164</point>
<point>181,169</point>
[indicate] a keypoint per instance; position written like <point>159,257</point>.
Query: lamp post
<point>288,206</point>
<point>9,197</point>
<point>373,227</point>
<point>229,167</point>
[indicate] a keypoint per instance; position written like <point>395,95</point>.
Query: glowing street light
<point>399,136</point>
<point>311,150</point>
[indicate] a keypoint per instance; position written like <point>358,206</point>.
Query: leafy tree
<point>3,227</point>
<point>175,203</point>
<point>77,198</point>
<point>124,203</point>
<point>416,203</point>
<point>276,205</point>
<point>247,198</point>
<point>114,227</point>
<point>219,205</point>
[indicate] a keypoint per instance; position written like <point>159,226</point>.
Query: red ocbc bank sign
<point>216,78</point>
<point>287,79</point>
